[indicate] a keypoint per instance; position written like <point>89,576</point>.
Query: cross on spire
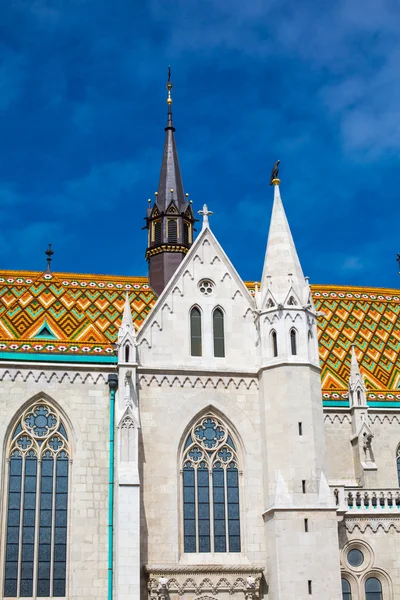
<point>205,213</point>
<point>49,253</point>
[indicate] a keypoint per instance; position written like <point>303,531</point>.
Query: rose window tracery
<point>38,475</point>
<point>210,478</point>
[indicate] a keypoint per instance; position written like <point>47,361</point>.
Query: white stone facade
<point>312,486</point>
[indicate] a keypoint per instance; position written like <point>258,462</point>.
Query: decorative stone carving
<point>386,524</point>
<point>195,580</point>
<point>193,381</point>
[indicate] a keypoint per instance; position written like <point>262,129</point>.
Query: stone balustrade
<point>360,499</point>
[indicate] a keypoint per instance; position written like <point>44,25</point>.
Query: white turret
<point>362,436</point>
<point>298,499</point>
<point>127,490</point>
<point>287,315</point>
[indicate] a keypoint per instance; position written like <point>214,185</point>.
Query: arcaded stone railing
<point>358,499</point>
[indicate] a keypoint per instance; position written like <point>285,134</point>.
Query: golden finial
<point>169,86</point>
<point>156,193</point>
<point>149,200</point>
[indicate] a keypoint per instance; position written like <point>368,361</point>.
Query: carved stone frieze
<point>49,376</point>
<point>195,381</point>
<point>340,418</point>
<point>374,524</point>
<point>204,581</point>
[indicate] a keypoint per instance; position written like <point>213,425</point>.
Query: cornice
<point>42,375</point>
<point>204,569</point>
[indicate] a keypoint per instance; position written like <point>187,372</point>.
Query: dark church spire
<point>170,187</point>
<point>170,220</point>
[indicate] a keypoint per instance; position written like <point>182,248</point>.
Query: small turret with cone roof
<point>170,218</point>
<point>282,269</point>
<point>290,321</point>
<point>357,391</point>
<point>127,336</point>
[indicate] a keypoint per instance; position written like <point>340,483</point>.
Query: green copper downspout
<point>113,385</point>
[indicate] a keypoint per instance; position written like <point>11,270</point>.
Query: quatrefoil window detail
<point>206,287</point>
<point>41,420</point>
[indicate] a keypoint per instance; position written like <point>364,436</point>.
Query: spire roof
<point>170,187</point>
<point>127,322</point>
<point>282,267</point>
<point>355,373</point>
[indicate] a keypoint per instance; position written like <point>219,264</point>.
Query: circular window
<point>206,287</point>
<point>355,558</point>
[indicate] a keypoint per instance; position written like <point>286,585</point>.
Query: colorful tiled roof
<point>57,315</point>
<point>66,314</point>
<point>370,319</point>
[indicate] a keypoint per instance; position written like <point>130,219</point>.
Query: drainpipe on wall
<point>113,385</point>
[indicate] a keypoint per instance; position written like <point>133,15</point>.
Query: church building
<point>194,436</point>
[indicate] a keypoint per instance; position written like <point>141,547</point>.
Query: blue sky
<point>82,112</point>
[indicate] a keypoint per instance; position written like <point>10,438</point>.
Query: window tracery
<point>37,503</point>
<point>210,475</point>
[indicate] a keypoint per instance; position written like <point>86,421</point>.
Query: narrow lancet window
<point>186,233</point>
<point>37,504</point>
<point>210,482</point>
<point>195,332</point>
<point>398,464</point>
<point>219,334</point>
<point>293,341</point>
<point>346,590</point>
<point>157,232</point>
<point>127,353</point>
<point>274,342</point>
<point>373,589</point>
<point>172,231</point>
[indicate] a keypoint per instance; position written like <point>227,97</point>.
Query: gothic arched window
<point>274,342</point>
<point>218,332</point>
<point>210,473</point>
<point>195,332</point>
<point>293,341</point>
<point>346,590</point>
<point>373,589</point>
<point>398,464</point>
<point>37,502</point>
<point>127,352</point>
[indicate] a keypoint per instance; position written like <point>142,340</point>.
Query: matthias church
<point>193,436</point>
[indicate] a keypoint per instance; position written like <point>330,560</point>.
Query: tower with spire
<point>300,516</point>
<point>170,219</point>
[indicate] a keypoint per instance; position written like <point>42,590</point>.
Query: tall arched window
<point>37,502</point>
<point>218,332</point>
<point>398,464</point>
<point>127,352</point>
<point>373,589</point>
<point>210,474</point>
<point>195,332</point>
<point>346,590</point>
<point>274,343</point>
<point>293,341</point>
